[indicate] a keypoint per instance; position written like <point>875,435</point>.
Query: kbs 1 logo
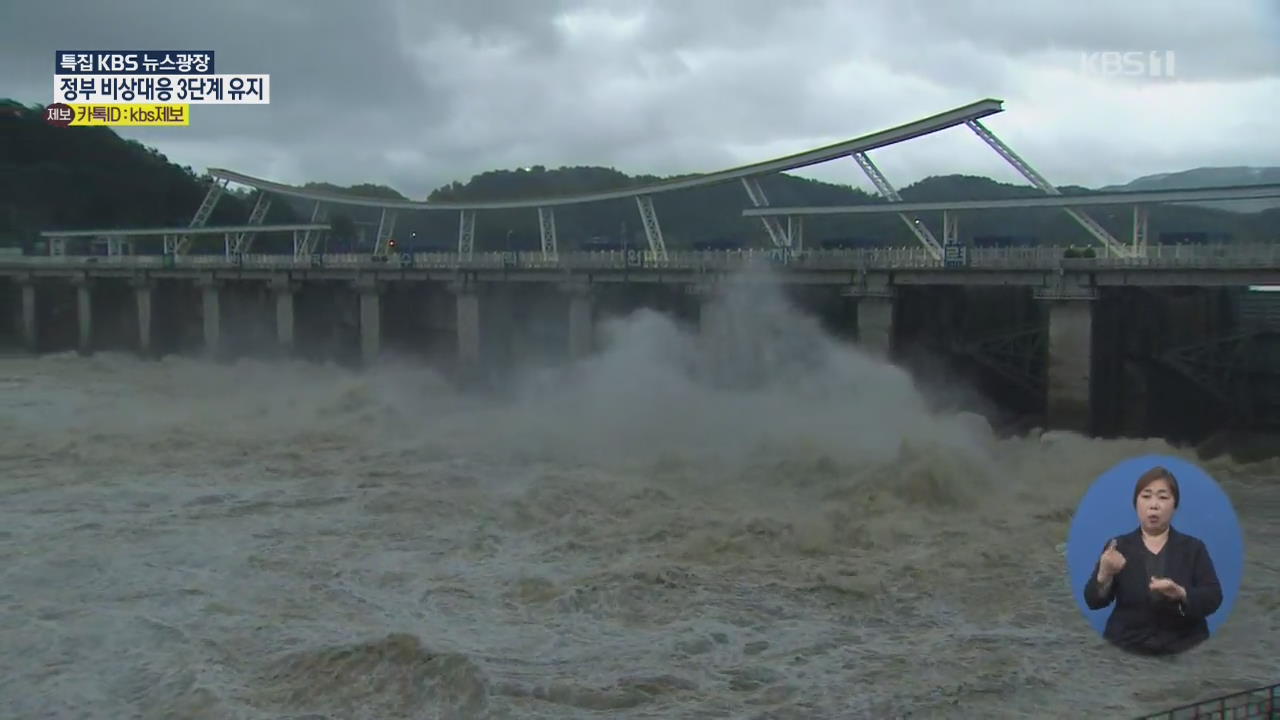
<point>1153,64</point>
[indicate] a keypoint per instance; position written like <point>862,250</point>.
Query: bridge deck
<point>1160,265</point>
<point>199,230</point>
<point>1260,703</point>
<point>1238,192</point>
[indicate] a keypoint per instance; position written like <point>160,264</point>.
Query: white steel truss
<point>311,238</point>
<point>795,231</point>
<point>780,238</point>
<point>652,230</point>
<point>210,200</point>
<point>915,224</point>
<point>116,245</point>
<point>950,228</point>
<point>547,227</point>
<point>1115,247</point>
<point>202,213</point>
<point>244,240</point>
<point>386,227</point>
<point>466,233</point>
<point>1139,229</point>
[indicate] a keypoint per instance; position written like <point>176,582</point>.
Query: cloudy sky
<point>417,94</point>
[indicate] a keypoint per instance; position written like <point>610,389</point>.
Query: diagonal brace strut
<point>466,233</point>
<point>244,240</point>
<point>547,229</point>
<point>311,238</point>
<point>652,230</point>
<point>915,224</point>
<point>1115,247</point>
<point>202,215</point>
<point>777,234</point>
<point>386,227</point>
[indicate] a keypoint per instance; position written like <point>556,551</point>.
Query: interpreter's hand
<point>1168,588</point>
<point>1111,562</point>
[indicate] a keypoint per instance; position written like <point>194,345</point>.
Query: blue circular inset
<point>1204,511</point>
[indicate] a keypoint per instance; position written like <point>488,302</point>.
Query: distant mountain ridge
<point>1210,177</point>
<point>1202,177</point>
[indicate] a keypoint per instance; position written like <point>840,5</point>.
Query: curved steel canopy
<point>1129,197</point>
<point>924,126</point>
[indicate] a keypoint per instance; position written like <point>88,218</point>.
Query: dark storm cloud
<point>350,51</point>
<point>418,94</point>
<point>528,26</point>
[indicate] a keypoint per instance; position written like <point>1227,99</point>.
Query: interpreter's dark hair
<point>1152,475</point>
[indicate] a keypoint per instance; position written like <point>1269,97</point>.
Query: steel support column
<point>466,233</point>
<point>1139,229</point>
<point>950,228</point>
<point>795,231</point>
<point>777,235</point>
<point>1088,223</point>
<point>915,224</point>
<point>547,227</point>
<point>652,230</point>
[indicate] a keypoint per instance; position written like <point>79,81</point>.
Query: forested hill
<point>91,178</point>
<point>88,178</point>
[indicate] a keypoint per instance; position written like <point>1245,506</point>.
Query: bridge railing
<point>1034,258</point>
<point>1261,703</point>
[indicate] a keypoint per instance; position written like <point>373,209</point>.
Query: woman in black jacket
<point>1162,581</point>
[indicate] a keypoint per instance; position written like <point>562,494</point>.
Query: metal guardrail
<point>1263,702</point>
<point>1037,258</point>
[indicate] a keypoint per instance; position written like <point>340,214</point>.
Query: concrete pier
<point>468,303</point>
<point>284,294</point>
<point>84,315</point>
<point>210,302</point>
<point>30,340</point>
<point>714,334</point>
<point>875,325</point>
<point>370,322</point>
<point>710,319</point>
<point>581,321</point>
<point>142,292</point>
<point>1068,380</point>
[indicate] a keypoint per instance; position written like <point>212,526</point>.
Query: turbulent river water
<point>619,538</point>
